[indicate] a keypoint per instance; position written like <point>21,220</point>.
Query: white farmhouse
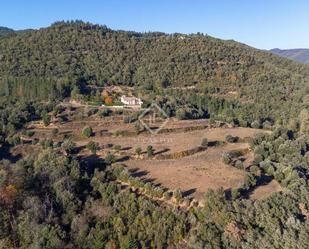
<point>132,101</point>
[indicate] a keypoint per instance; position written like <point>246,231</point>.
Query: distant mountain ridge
<point>299,54</point>
<point>4,31</point>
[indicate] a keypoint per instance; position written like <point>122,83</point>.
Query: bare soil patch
<point>265,190</point>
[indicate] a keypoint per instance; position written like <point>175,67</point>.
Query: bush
<point>47,143</point>
<point>68,146</point>
<point>234,193</point>
<point>110,159</point>
<point>226,158</point>
<point>204,143</point>
<point>14,140</point>
<point>255,170</point>
<point>150,151</point>
<point>267,125</point>
<point>181,114</point>
<point>28,133</point>
<point>87,131</point>
<point>117,147</point>
<point>249,181</point>
<point>138,150</point>
<point>177,195</point>
<point>93,147</point>
<point>256,124</point>
<point>239,164</point>
<point>46,119</point>
<point>231,139</point>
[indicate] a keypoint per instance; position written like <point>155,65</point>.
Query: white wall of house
<point>130,100</point>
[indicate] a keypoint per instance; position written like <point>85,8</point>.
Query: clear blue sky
<point>260,23</point>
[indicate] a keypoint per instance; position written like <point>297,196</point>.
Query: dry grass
<point>265,190</point>
<point>193,174</point>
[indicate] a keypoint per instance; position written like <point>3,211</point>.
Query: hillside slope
<point>301,54</point>
<point>52,60</point>
<point>4,31</point>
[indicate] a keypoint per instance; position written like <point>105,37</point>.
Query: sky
<point>262,24</point>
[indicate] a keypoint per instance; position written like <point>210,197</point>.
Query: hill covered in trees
<point>52,196</point>
<point>299,54</point>
<point>51,62</point>
<point>4,31</point>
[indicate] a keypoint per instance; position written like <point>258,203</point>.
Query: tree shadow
<point>126,148</point>
<point>90,163</point>
<point>215,143</point>
<point>6,154</point>
<point>65,133</point>
<point>139,173</point>
<point>161,151</point>
<point>150,180</point>
<point>122,159</point>
<point>78,149</point>
<point>189,192</point>
<point>261,181</point>
<point>228,193</point>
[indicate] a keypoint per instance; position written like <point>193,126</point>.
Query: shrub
<point>249,181</point>
<point>181,114</point>
<point>110,159</point>
<point>255,170</point>
<point>177,195</point>
<point>239,164</point>
<point>14,140</point>
<point>166,196</point>
<point>150,151</point>
<point>117,147</point>
<point>87,131</point>
<point>93,147</point>
<point>204,142</point>
<point>231,139</point>
<point>226,158</point>
<point>256,124</point>
<point>28,133</point>
<point>234,193</point>
<point>118,170</point>
<point>138,150</point>
<point>267,125</point>
<point>46,119</point>
<point>47,143</point>
<point>258,158</point>
<point>68,146</point>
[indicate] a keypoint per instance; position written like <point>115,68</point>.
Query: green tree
<point>93,147</point>
<point>150,151</point>
<point>46,119</point>
<point>138,151</point>
<point>87,131</point>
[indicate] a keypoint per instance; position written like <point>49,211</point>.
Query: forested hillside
<point>4,31</point>
<point>49,62</point>
<point>62,185</point>
<point>301,54</point>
